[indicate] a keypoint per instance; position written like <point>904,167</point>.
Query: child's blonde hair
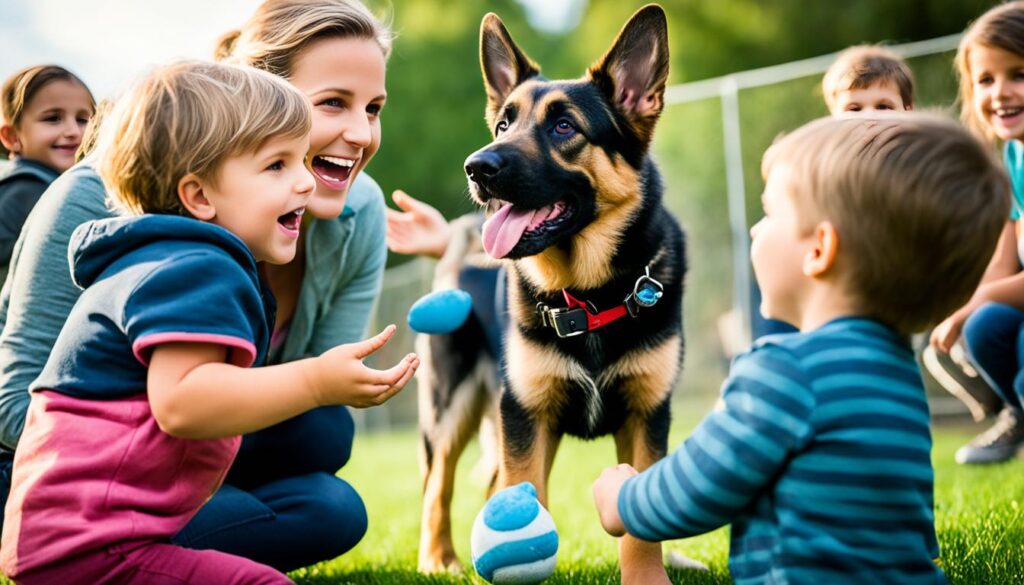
<point>917,202</point>
<point>863,66</point>
<point>19,89</point>
<point>280,29</point>
<point>187,118</point>
<point>91,134</point>
<point>1001,27</point>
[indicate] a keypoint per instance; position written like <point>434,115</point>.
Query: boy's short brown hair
<point>863,66</point>
<point>19,89</point>
<point>187,118</point>
<point>918,204</point>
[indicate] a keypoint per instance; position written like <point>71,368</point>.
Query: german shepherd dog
<point>595,267</point>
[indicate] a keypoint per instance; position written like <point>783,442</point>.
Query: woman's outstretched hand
<point>418,229</point>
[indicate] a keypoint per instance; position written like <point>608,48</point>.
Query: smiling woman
<point>344,79</point>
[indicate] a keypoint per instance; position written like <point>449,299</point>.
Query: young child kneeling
<point>820,458</point>
<point>136,417</point>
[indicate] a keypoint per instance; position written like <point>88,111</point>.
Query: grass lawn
<point>978,516</point>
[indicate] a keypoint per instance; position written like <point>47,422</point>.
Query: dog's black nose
<point>482,166</point>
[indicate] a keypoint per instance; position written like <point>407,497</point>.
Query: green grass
<point>978,516</point>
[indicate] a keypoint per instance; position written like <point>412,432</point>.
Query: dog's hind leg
<point>449,417</point>
<point>641,442</point>
<point>485,472</point>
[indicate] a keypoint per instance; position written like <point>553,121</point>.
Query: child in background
<point>868,78</point>
<point>821,456</point>
<point>990,62</point>
<point>45,109</point>
<point>136,417</point>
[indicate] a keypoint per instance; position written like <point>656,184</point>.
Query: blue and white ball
<point>514,540</point>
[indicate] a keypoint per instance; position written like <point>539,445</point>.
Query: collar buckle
<point>565,321</point>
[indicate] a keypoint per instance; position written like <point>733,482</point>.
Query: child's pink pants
<point>156,564</point>
<point>98,490</point>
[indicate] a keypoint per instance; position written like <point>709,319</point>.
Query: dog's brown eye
<point>564,127</point>
<point>502,126</point>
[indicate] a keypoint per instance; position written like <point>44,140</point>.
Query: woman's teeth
<point>341,162</point>
<point>1007,112</point>
<point>333,168</point>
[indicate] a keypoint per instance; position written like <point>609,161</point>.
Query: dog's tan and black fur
<point>581,146</point>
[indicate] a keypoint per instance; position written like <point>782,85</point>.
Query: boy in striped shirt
<point>874,228</point>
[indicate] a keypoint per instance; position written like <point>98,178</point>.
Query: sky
<point>110,43</point>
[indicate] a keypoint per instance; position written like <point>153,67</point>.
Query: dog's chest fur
<point>586,385</point>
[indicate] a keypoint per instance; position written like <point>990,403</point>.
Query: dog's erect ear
<point>634,71</point>
<point>504,65</point>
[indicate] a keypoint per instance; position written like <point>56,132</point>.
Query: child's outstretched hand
<point>341,377</point>
<point>606,496</point>
<point>946,333</point>
<point>418,229</point>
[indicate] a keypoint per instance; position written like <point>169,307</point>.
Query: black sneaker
<point>999,443</point>
<point>955,374</point>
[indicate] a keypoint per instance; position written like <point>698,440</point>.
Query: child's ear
<point>192,194</point>
<point>823,255</point>
<point>9,138</point>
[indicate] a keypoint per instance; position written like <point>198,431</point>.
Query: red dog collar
<point>579,317</point>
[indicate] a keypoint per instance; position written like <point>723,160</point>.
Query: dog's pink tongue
<point>502,231</point>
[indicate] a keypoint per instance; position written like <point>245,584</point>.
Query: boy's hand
<point>421,229</point>
<point>606,496</point>
<point>340,377</point>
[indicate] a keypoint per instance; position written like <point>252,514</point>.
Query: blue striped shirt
<point>820,459</point>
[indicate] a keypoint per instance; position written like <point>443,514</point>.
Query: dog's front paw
<point>440,563</point>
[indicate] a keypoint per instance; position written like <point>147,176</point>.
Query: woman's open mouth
<point>290,222</point>
<point>333,171</point>
<point>509,224</point>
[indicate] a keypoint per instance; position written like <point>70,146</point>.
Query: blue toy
<point>514,540</point>
<point>440,312</point>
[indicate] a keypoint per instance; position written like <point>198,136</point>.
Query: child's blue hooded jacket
<point>149,280</point>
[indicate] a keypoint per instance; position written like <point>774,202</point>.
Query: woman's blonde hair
<point>1001,27</point>
<point>187,118</point>
<point>280,29</point>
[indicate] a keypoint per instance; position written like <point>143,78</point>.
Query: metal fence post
<point>737,204</point>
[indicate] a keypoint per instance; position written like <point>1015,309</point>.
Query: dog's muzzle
<point>483,166</point>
